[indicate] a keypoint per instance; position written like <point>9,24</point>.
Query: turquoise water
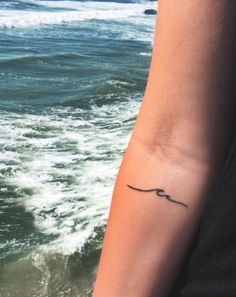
<point>72,78</point>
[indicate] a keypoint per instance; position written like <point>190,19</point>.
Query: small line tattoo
<point>160,193</point>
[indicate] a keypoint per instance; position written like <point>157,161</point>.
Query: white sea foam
<point>79,11</point>
<point>69,163</point>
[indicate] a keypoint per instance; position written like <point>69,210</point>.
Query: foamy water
<point>74,12</point>
<point>72,80</point>
<point>65,167</point>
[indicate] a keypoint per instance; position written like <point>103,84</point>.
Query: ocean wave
<point>81,11</point>
<point>67,162</point>
<point>78,5</point>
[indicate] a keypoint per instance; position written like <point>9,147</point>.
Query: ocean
<point>72,79</point>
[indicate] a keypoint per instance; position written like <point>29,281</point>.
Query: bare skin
<point>176,152</point>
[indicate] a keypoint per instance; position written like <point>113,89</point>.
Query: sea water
<point>72,79</point>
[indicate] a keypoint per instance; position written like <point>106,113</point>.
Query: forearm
<point>179,145</point>
<point>147,235</point>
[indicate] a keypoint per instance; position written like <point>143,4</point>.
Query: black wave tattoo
<point>160,193</point>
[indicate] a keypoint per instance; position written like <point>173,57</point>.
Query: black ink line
<point>158,192</point>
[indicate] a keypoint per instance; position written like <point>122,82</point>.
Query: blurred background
<point>72,79</point>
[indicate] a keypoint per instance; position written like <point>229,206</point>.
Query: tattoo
<point>160,193</point>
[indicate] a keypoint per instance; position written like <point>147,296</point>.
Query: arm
<point>179,144</point>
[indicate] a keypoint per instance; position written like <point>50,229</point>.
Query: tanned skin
<point>177,150</point>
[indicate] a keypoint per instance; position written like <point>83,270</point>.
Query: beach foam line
<point>81,11</point>
<point>65,166</point>
<point>78,5</point>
